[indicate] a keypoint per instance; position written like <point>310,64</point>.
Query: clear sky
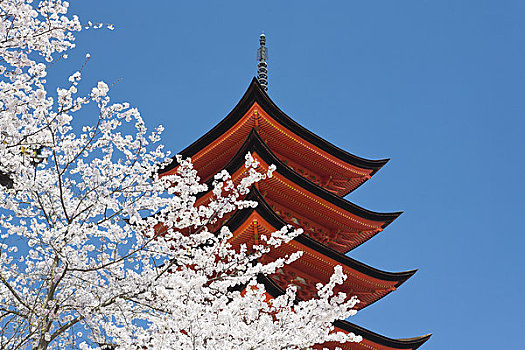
<point>437,86</point>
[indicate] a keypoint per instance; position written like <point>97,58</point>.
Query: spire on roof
<point>262,67</point>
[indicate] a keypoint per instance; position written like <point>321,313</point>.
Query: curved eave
<point>409,343</point>
<point>254,143</point>
<point>256,94</point>
<point>275,290</point>
<point>277,223</point>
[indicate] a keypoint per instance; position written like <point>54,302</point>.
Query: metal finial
<point>262,67</point>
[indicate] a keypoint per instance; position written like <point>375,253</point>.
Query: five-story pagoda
<point>306,191</point>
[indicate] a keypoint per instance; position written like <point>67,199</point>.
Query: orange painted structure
<point>306,191</point>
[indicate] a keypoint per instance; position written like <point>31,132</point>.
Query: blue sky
<point>437,86</point>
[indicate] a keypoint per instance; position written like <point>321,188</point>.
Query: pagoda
<point>306,191</point>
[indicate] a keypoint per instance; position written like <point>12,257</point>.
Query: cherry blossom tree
<point>97,250</point>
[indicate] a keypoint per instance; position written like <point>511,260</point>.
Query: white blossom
<point>95,248</point>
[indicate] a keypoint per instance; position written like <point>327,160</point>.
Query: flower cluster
<point>97,250</point>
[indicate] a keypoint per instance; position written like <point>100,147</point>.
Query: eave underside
<point>318,262</point>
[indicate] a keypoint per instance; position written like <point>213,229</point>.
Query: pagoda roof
<point>316,265</point>
<point>403,343</point>
<point>371,339</point>
<point>255,95</point>
<point>254,143</point>
<point>267,213</point>
<point>333,209</point>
